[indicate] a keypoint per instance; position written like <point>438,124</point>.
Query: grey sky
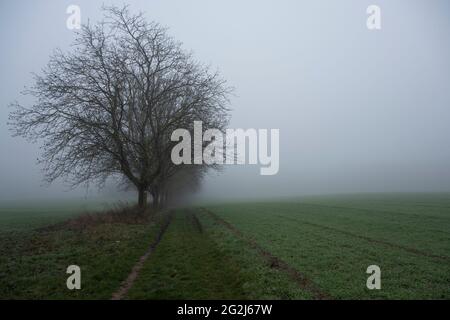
<point>357,110</point>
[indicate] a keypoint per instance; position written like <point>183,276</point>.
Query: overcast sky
<point>358,110</point>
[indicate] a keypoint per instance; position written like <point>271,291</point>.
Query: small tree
<point>108,107</point>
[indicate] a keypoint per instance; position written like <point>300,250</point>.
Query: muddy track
<point>371,240</point>
<point>274,262</point>
<point>129,281</point>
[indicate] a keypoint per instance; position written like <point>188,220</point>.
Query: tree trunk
<point>166,198</point>
<point>142,198</point>
<point>161,200</point>
<point>155,196</point>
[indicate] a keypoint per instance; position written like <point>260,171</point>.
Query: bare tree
<point>108,107</point>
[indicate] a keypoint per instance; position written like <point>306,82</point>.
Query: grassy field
<point>305,248</point>
<point>38,246</point>
<point>333,240</point>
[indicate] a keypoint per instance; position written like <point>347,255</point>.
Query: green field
<point>305,248</point>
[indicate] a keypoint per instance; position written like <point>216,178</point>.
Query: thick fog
<point>358,110</point>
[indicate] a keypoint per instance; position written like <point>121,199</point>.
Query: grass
<point>30,215</point>
<point>187,265</point>
<point>334,240</point>
<point>201,261</point>
<point>33,262</point>
<point>241,251</point>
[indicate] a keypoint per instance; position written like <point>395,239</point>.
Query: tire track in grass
<point>274,262</point>
<point>188,264</point>
<point>198,226</point>
<point>129,281</point>
<point>385,212</point>
<point>371,240</point>
<point>432,217</point>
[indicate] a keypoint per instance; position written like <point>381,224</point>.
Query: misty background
<point>358,110</point>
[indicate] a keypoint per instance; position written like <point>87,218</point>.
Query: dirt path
<point>196,222</point>
<point>128,283</point>
<point>188,265</point>
<point>275,262</point>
